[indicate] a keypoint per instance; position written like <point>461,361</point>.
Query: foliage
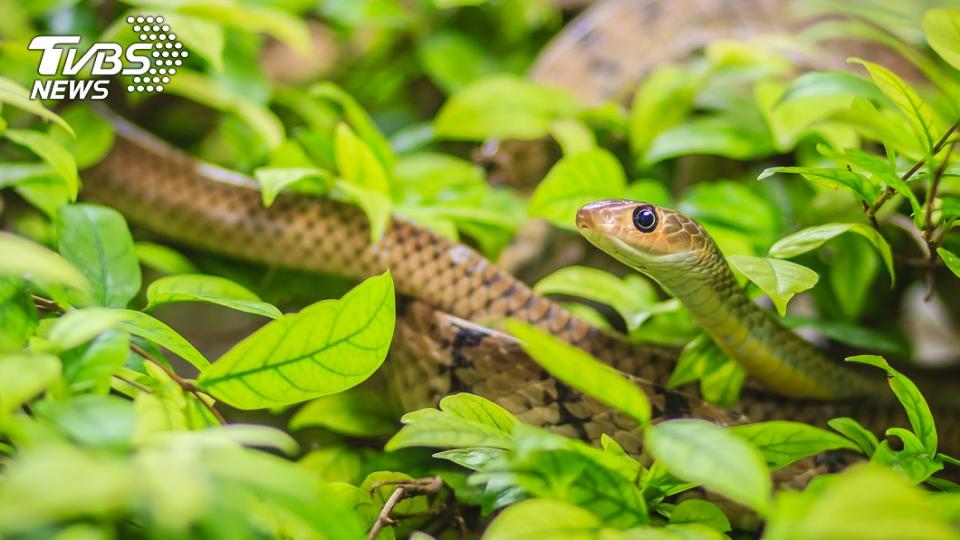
<point>114,422</point>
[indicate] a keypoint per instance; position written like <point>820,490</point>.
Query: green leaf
<point>574,181</point>
<point>702,512</point>
<point>864,501</point>
<point>207,91</point>
<point>149,328</point>
<point>327,348</point>
<point>502,107</point>
<point>80,326</point>
<point>850,334</point>
<point>357,163</point>
<point>250,18</point>
<point>711,136</point>
<point>881,169</point>
<point>375,205</point>
<point>18,315</point>
<point>107,422</point>
<point>163,259</point>
<point>778,279</point>
<point>651,191</point>
<point>463,421</point>
<point>360,412</point>
<point>453,60</point>
<point>865,440</point>
<point>722,386</point>
<point>88,370</point>
<point>93,138</point>
<point>783,442</point>
<point>951,260</point>
<point>23,376</point>
<point>52,152</point>
<point>632,296</point>
<point>913,460</point>
<point>582,371</point>
<point>918,113</point>
<point>273,180</point>
<point>818,84</point>
<point>702,452</point>
<point>572,136</point>
<point>12,93</point>
<point>942,28</point>
<point>97,240</point>
<point>211,289</point>
<point>813,237</point>
<point>910,397</point>
<point>663,101</point>
<point>34,262</point>
<point>543,518</point>
<point>699,357</point>
<point>206,38</point>
<point>358,119</point>
<point>474,458</point>
<point>856,183</point>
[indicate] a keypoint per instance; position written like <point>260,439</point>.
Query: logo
<point>150,61</point>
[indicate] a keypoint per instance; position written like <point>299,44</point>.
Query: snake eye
<point>645,218</point>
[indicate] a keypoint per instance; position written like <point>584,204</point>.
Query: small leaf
<point>12,93</point>
<point>783,442</point>
<point>632,296</point>
<point>212,289</point>
<point>913,460</point>
<point>23,376</point>
<point>813,237</point>
<point>714,136</point>
<point>861,436</point>
<point>52,152</point>
<point>722,386</point>
<point>375,205</point>
<point>474,458</point>
<point>702,512</point>
<point>206,38</point>
<point>97,240</point>
<point>359,412</point>
<point>572,136</point>
<point>881,169</point>
<point>357,163</point>
<point>163,259</point>
<point>779,279</point>
<point>702,452</point>
<point>699,357</point>
<point>663,101</point>
<point>581,371</point>
<point>18,315</point>
<point>93,138</point>
<point>328,347</point>
<point>80,326</point>
<point>574,181</point>
<point>951,260</point>
<point>463,421</point>
<point>831,83</point>
<point>358,119</point>
<point>502,107</point>
<point>942,28</point>
<point>150,329</point>
<point>543,518</point>
<point>858,184</point>
<point>35,262</point>
<point>910,397</point>
<point>89,369</point>
<point>918,113</point>
<point>273,180</point>
<point>453,59</point>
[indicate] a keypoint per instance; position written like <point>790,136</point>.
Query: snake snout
<point>599,214</point>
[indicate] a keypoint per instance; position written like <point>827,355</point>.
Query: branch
<point>412,488</point>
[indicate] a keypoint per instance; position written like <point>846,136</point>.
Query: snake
<point>442,343</point>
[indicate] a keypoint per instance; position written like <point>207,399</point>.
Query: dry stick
<point>422,486</point>
<point>885,196</point>
<point>184,384</point>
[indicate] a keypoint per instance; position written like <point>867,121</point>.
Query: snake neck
<point>752,337</point>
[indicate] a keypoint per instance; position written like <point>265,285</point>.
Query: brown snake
<point>440,346</point>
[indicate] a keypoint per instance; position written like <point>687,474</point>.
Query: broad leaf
<point>36,263</point>
<point>910,397</point>
<point>163,259</point>
<point>783,442</point>
<point>463,421</point>
<point>831,83</point>
<point>543,518</point>
<point>702,452</point>
<point>572,136</point>
<point>861,436</point>
<point>23,376</point>
<point>327,348</point>
<point>79,326</point>
<point>360,412</point>
<point>813,237</point>
<point>702,512</point>
<point>143,325</point>
<point>12,93</point>
<point>502,107</point>
<point>273,180</point>
<point>97,240</point>
<point>93,138</point>
<point>357,163</point>
<point>574,181</point>
<point>52,152</point>
<point>942,28</point>
<point>631,296</point>
<point>212,289</point>
<point>858,184</point>
<point>90,368</point>
<point>712,136</point>
<point>663,101</point>
<point>912,106</point>
<point>779,279</point>
<point>581,371</point>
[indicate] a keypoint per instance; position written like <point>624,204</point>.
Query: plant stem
<point>186,385</point>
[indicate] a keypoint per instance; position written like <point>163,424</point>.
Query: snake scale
<point>440,344</point>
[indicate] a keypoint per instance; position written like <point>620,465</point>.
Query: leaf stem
<point>184,384</point>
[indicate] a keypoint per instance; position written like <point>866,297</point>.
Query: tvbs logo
<point>150,62</point>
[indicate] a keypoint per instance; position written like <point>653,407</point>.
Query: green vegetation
<point>838,186</point>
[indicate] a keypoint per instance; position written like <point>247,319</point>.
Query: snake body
<point>441,345</point>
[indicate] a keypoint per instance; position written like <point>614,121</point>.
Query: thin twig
<point>927,232</point>
<point>412,488</point>
<point>186,385</point>
<point>45,304</point>
<point>134,384</point>
<point>872,210</point>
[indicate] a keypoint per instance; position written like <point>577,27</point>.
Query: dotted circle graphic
<point>166,56</point>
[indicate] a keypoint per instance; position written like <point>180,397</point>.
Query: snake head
<point>644,236</point>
